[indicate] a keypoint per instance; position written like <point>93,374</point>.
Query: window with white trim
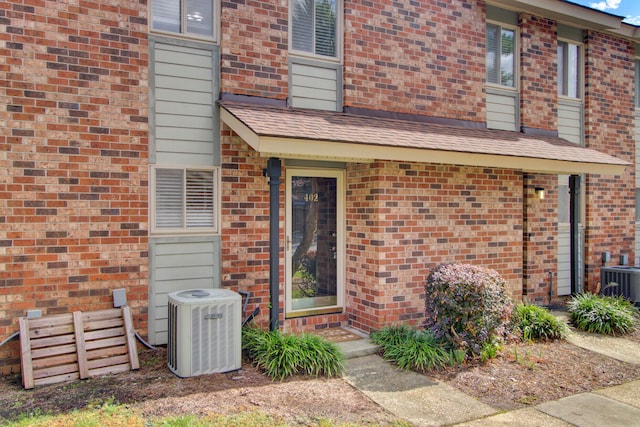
<point>184,199</point>
<point>314,27</point>
<point>637,83</point>
<point>501,58</point>
<point>187,17</point>
<point>569,65</point>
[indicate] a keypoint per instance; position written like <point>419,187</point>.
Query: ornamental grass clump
<point>411,349</point>
<point>536,323</point>
<point>282,355</point>
<point>609,315</point>
<point>467,306</point>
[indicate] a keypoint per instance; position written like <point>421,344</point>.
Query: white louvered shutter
<point>166,15</point>
<point>169,200</point>
<point>493,59</point>
<point>200,199</point>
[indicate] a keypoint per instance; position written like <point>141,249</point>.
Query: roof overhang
<point>628,31</point>
<point>565,12</point>
<point>324,135</point>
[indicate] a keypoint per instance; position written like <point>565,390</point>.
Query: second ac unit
<point>627,280</point>
<point>204,332</point>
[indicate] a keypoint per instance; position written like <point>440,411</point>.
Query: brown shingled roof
<point>363,135</point>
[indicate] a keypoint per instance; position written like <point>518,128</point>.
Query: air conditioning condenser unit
<point>626,279</point>
<point>204,332</point>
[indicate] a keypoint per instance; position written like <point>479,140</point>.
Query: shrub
<point>281,355</point>
<point>410,348</point>
<point>467,306</point>
<point>536,323</point>
<point>391,336</point>
<point>610,315</point>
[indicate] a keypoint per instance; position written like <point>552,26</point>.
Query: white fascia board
<point>360,153</point>
<point>249,136</point>
<point>573,14</point>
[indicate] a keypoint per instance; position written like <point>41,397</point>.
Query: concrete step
<point>357,348</point>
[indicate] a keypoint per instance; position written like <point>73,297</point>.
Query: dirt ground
<point>522,375</point>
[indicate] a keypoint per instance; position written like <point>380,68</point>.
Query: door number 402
<point>311,197</point>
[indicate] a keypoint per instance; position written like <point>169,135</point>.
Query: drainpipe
<point>574,214</point>
<point>273,171</point>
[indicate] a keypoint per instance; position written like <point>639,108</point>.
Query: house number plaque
<point>311,197</point>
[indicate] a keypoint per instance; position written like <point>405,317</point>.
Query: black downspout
<point>574,215</point>
<point>273,171</point>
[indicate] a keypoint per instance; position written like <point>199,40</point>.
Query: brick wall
<point>73,159</point>
<point>254,48</point>
<point>404,218</point>
<point>609,124</point>
<point>416,57</point>
<point>539,110</point>
<point>245,223</point>
<point>245,234</point>
<point>540,238</point>
<point>538,73</point>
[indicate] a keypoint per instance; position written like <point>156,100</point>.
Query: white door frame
<point>340,239</point>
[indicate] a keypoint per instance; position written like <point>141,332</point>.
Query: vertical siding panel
<point>570,122</point>
<point>314,84</point>
<point>184,130</point>
<point>502,112</point>
<point>179,263</point>
<point>184,84</point>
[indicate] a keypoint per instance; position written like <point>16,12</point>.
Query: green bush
<point>537,323</point>
<point>467,306</point>
<point>281,355</point>
<point>391,336</point>
<point>609,315</point>
<point>411,349</point>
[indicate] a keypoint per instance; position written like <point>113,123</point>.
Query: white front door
<point>564,238</point>
<point>314,241</point>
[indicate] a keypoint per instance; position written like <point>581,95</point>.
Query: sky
<point>628,8</point>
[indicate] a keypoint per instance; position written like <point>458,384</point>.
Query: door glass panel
<point>313,242</point>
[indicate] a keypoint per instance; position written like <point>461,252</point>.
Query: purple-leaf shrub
<point>467,306</point>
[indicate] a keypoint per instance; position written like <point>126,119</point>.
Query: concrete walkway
<point>423,402</point>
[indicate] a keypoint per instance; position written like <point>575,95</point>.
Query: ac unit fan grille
<point>172,348</point>
<point>627,282</point>
<point>204,337</point>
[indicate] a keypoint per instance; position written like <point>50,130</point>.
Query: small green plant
<point>609,315</point>
<point>412,349</point>
<point>458,356</point>
<point>282,355</point>
<point>489,350</point>
<point>525,360</point>
<point>467,306</point>
<point>537,323</point>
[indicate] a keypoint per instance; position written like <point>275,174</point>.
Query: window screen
<point>314,26</point>
<point>184,199</point>
<point>183,16</point>
<point>637,83</point>
<point>500,59</point>
<point>569,69</point>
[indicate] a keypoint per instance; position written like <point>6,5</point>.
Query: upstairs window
<point>187,17</point>
<point>569,76</point>
<point>637,83</point>
<point>501,62</point>
<point>314,27</point>
<point>184,199</point>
